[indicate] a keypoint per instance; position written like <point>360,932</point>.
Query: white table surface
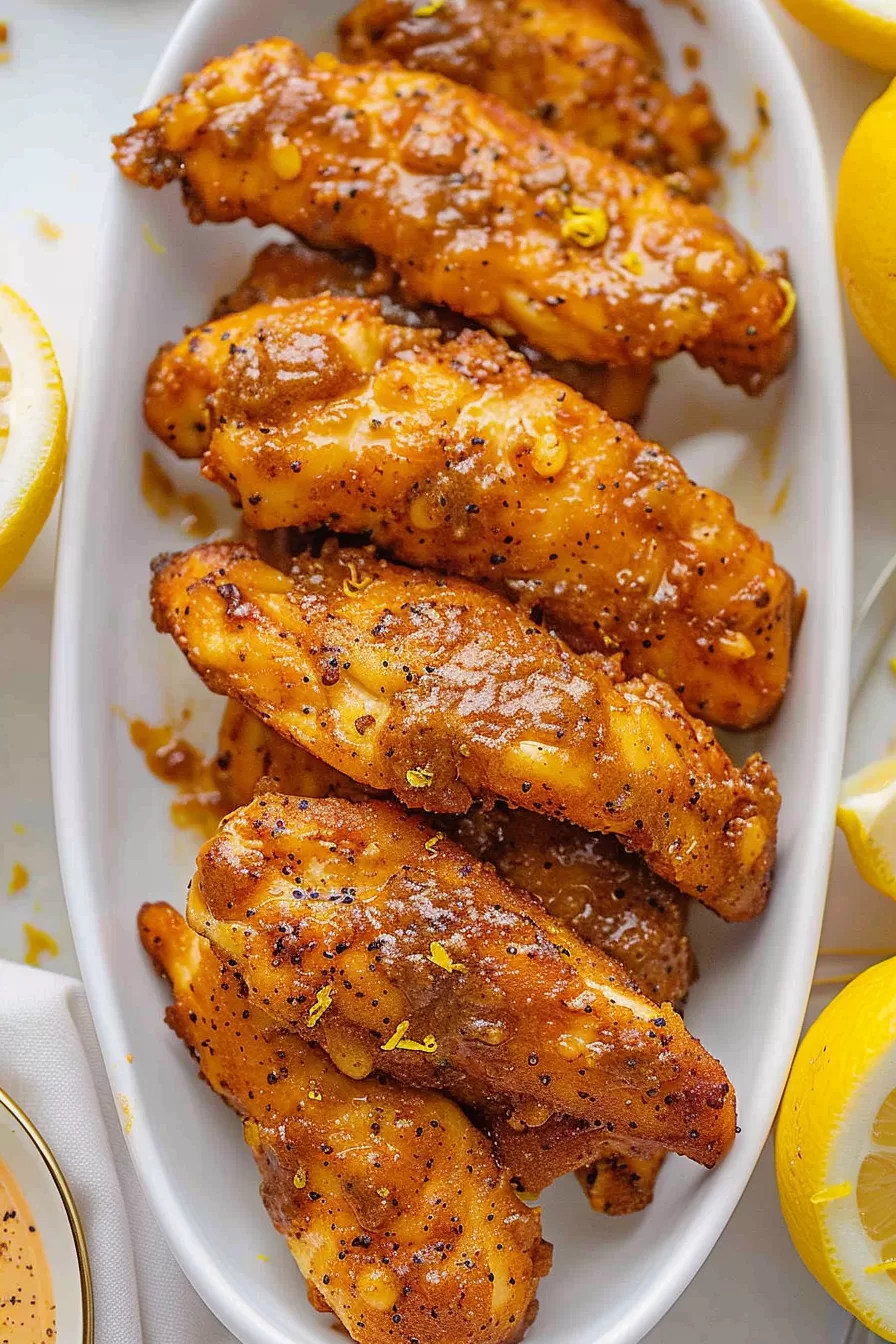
<point>75,74</point>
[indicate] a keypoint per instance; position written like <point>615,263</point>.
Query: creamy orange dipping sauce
<point>27,1310</point>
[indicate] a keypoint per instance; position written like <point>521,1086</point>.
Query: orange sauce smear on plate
<point>27,1309</point>
<point>171,758</point>
<point>741,157</point>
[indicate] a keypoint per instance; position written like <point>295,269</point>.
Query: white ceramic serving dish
<point>26,1154</point>
<point>613,1279</point>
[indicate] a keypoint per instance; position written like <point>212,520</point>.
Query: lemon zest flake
<point>429,1045</point>
<point>300,1180</point>
<point>440,957</point>
<point>398,1034</point>
<point>322,1002</point>
<point>432,842</point>
<point>263,1257</point>
<point>789,293</point>
<point>419,777</point>
<point>830,1193</point>
<point>586,225</point>
<point>152,242</point>
<point>426,11</point>
<point>632,262</point>
<point>398,1041</point>
<point>882,1268</point>
<point>383,1191</point>
<point>314,1094</point>
<point>353,585</point>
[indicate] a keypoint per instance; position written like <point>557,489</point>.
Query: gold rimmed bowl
<point>36,1172</point>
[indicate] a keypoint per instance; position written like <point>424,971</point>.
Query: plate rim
<point>75,856</point>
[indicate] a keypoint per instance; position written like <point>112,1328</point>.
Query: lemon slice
<point>32,429</point>
<point>864,30</point>
<point>835,1149</point>
<point>867,817</point>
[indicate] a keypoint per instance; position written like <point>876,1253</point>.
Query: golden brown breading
<point>608,897</point>
<point>620,1183</point>
<point>443,692</point>
<point>618,1175</point>
<point>331,345</point>
<point>297,271</point>
<point>388,1197</point>
<point>586,67</point>
<point>359,927</point>
<point>458,457</point>
<point>588,882</point>
<point>251,756</point>
<point>476,207</point>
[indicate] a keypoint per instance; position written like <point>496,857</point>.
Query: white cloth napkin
<point>50,1064</point>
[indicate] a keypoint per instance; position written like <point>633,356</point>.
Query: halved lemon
<point>32,429</point>
<point>867,817</point>
<point>866,239</point>
<point>865,29</point>
<point>835,1149</point>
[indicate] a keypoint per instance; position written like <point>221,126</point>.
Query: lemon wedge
<point>32,429</point>
<point>835,1149</point>
<point>867,817</point>
<point>864,30</point>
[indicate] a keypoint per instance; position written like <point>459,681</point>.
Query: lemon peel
<point>32,450</point>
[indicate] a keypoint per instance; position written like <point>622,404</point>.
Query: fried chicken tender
<point>388,1197</point>
<point>443,692</point>
<point>359,927</point>
<point>588,882</point>
<point>586,67</point>
<point>476,207</point>
<point>297,271</point>
<point>608,897</point>
<point>458,457</point>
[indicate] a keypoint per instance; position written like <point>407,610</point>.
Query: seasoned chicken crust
<point>296,271</point>
<point>388,1196</point>
<point>589,68</point>
<point>476,207</point>
<point>318,413</point>
<point>443,692</point>
<point>359,927</point>
<point>610,898</point>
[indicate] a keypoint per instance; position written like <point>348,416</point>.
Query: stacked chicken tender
<point>472,641</point>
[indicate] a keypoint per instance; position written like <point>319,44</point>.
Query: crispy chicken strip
<point>586,67</point>
<point>443,692</point>
<point>475,206</point>
<point>608,897</point>
<point>297,271</point>
<point>389,1198</point>
<point>539,1147</point>
<point>458,457</point>
<point>588,882</point>
<point>359,927</point>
